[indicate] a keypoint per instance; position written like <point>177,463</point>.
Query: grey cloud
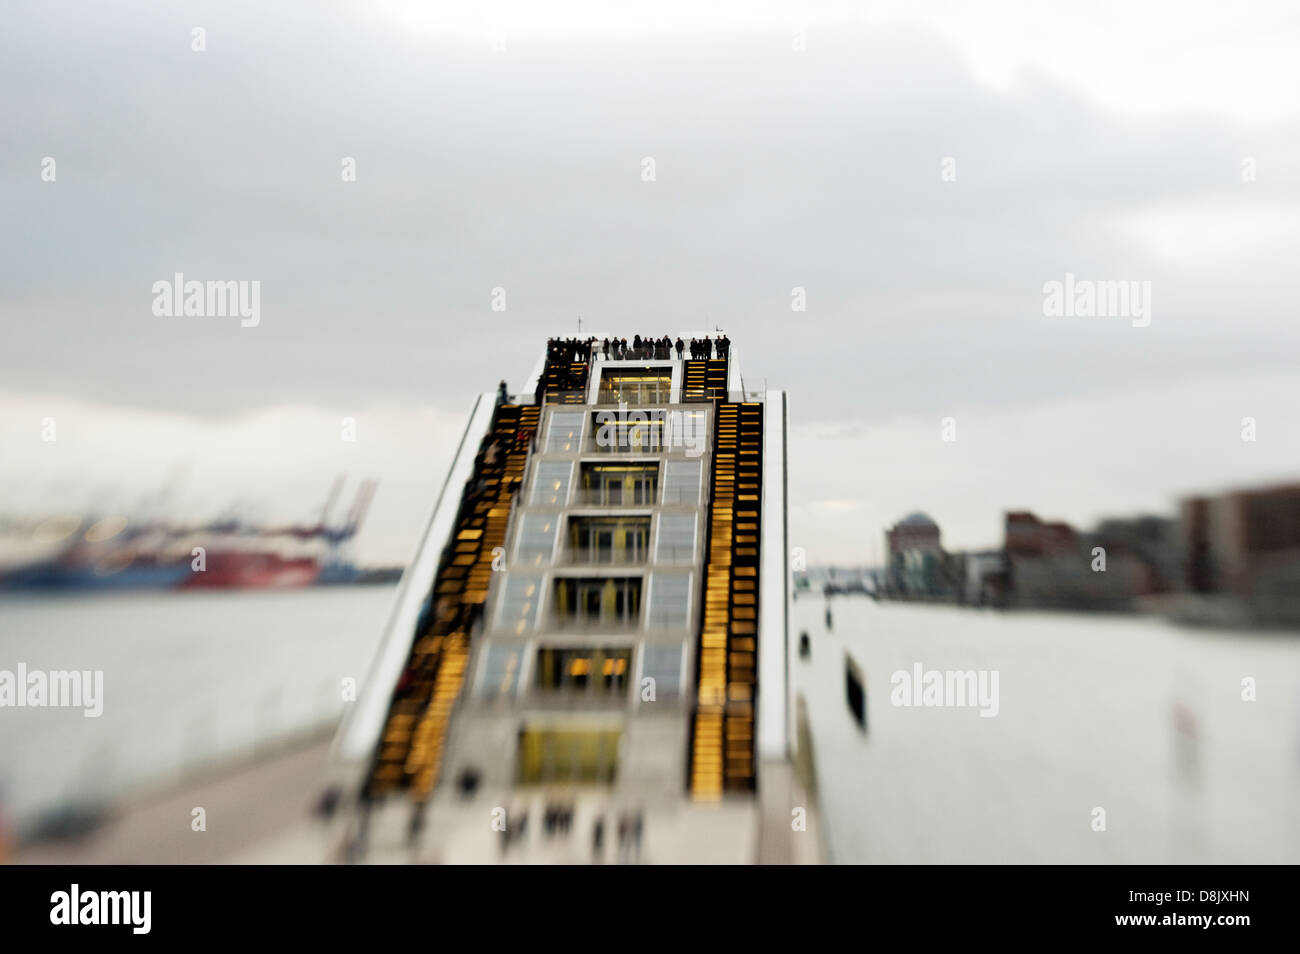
<point>521,170</point>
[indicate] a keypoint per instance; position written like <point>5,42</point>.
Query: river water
<point>1130,715</point>
<point>189,677</point>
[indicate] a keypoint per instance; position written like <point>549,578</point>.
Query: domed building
<point>915,556</point>
<point>916,531</point>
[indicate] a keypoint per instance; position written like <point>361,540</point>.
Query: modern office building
<point>588,659</point>
<point>1245,546</point>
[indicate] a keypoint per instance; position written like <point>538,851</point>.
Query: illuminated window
<point>614,485</point>
<point>616,540</point>
<point>567,755</point>
<point>595,669</point>
<point>635,385</point>
<point>595,601</point>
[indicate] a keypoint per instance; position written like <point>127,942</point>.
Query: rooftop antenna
<point>580,326</point>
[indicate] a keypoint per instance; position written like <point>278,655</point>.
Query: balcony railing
<point>634,395</point>
<point>604,556</point>
<point>647,352</point>
<point>665,497</point>
<point>752,392</point>
<point>570,699</point>
<point>607,623</point>
<point>613,498</point>
<point>648,442</point>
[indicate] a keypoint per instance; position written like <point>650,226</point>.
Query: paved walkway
<point>249,809</point>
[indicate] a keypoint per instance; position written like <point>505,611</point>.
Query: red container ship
<point>115,553</point>
<point>253,569</point>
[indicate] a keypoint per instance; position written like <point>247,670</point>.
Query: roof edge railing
<point>573,399</point>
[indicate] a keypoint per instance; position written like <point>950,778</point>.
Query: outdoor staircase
<point>410,749</point>
<point>704,380</point>
<point>722,747</point>
<point>563,382</point>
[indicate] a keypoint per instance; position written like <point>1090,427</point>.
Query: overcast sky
<point>794,146</point>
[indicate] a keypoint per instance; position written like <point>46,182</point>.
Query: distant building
<point>1050,565</point>
<point>916,531</point>
<point>986,578</point>
<point>1156,541</point>
<point>1026,535</point>
<point>916,565</point>
<point>1246,545</point>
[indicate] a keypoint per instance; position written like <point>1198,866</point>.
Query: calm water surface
<point>1129,714</point>
<point>188,677</point>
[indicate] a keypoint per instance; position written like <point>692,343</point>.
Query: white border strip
<point>775,691</point>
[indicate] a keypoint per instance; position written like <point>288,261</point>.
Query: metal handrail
<point>595,443</point>
<point>603,498</point>
<point>662,497</point>
<point>632,395</point>
<point>754,392</point>
<point>604,556</point>
<point>583,624</point>
<point>671,443</point>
